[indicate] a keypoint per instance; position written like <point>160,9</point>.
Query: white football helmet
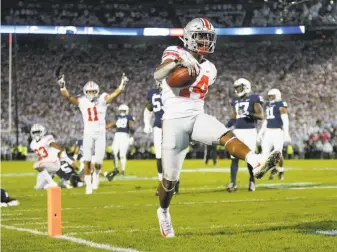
<point>89,89</point>
<point>242,87</point>
<point>123,109</point>
<point>199,36</point>
<point>37,132</point>
<point>275,92</point>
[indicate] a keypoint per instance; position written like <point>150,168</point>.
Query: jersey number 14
<point>92,114</point>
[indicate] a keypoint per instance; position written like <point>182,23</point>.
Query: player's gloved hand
<point>188,61</point>
<point>124,81</point>
<point>62,82</point>
<point>131,141</point>
<point>147,129</point>
<point>286,137</point>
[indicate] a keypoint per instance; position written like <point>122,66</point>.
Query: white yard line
<point>190,170</point>
<point>15,219</point>
<point>74,239</point>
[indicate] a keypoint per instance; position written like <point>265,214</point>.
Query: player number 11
<point>92,114</point>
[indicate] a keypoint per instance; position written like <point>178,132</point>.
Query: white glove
<point>188,61</point>
<point>124,81</point>
<point>286,137</point>
<point>62,82</point>
<point>147,129</point>
<point>131,141</point>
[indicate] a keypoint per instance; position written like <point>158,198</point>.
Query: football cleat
<point>232,187</point>
<point>110,176</point>
<point>266,164</point>
<point>252,186</point>
<point>165,223</point>
<point>122,173</point>
<point>272,173</point>
<point>281,176</point>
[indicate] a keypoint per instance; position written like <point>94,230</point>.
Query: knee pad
<point>168,185</point>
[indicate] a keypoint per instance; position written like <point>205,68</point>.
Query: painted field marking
<point>74,239</point>
<point>327,232</point>
<point>187,170</point>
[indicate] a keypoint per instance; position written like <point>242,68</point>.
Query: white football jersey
<point>43,149</point>
<point>186,101</point>
<point>93,113</point>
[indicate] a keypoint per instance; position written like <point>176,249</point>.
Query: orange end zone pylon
<point>54,211</point>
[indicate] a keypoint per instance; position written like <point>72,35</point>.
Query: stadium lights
<point>107,31</point>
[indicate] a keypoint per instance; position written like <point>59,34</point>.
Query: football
<point>180,78</point>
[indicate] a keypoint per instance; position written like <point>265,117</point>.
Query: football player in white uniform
<point>184,118</point>
<point>124,128</point>
<point>93,108</point>
<point>275,129</point>
<point>49,153</point>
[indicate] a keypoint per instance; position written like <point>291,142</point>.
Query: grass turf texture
<point>279,216</point>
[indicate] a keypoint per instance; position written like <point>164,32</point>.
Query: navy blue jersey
<point>244,107</point>
<point>79,143</point>
<point>154,98</point>
<point>273,114</point>
<point>122,123</point>
<point>65,171</point>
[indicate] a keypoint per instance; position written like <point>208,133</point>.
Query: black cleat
<point>232,187</point>
<point>251,187</point>
<point>110,176</point>
<point>281,176</point>
<point>157,193</point>
<point>272,173</point>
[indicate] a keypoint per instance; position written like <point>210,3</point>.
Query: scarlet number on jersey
<point>41,152</point>
<point>92,114</point>
<point>200,88</point>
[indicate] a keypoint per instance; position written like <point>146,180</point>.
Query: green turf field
<point>297,214</point>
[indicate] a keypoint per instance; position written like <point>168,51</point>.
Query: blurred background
<point>303,65</point>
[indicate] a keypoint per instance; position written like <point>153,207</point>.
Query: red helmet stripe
<point>206,23</point>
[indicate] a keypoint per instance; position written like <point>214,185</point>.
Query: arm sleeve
<point>285,120</point>
<point>263,127</point>
<point>147,117</point>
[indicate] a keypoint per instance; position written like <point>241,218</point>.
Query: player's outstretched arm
<point>147,118</point>
<point>118,91</point>
<point>110,125</point>
<point>62,154</point>
<point>65,92</point>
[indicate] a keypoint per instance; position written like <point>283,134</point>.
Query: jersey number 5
<point>92,114</point>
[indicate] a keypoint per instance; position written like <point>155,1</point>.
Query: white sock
<point>164,210</point>
<point>116,161</point>
<point>87,180</point>
<point>252,159</point>
<point>96,176</point>
<point>46,176</point>
<point>160,176</point>
<point>123,163</point>
<point>281,169</point>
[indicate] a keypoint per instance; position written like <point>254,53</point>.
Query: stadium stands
<point>304,71</point>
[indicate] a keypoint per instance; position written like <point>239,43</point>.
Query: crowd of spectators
<point>304,71</point>
<point>131,13</point>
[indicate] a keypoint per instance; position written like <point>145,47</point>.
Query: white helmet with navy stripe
<point>242,86</point>
<point>123,109</point>
<point>91,90</point>
<point>199,36</point>
<point>37,131</point>
<point>276,93</point>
